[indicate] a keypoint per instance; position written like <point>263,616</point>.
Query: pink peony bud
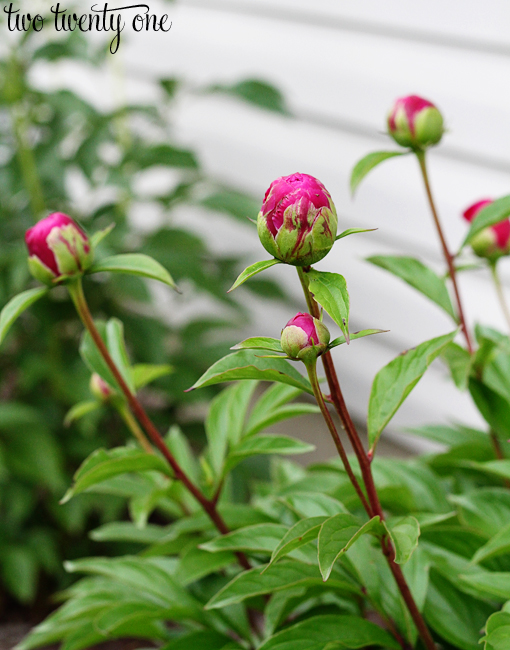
<point>415,122</point>
<point>297,223</point>
<point>100,389</point>
<point>58,249</point>
<point>304,338</point>
<point>492,242</point>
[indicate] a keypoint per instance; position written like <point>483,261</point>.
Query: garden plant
<point>356,552</point>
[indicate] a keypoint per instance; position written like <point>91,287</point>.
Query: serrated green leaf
<point>366,164</point>
<point>259,343</point>
<point>300,534</point>
<point>330,291</point>
<point>145,373</point>
<point>492,214</point>
<point>266,444</point>
<point>282,575</point>
<point>253,270</point>
<point>247,365</point>
<point>353,231</point>
<point>419,276</point>
<point>79,410</point>
<point>17,306</point>
<point>328,632</point>
<point>103,465</point>
<point>404,534</point>
<point>260,538</point>
<point>337,535</point>
<point>134,264</point>
<point>395,381</point>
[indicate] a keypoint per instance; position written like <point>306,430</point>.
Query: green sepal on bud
<point>305,338</point>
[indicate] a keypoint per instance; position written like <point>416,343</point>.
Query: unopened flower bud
<point>297,223</point>
<point>415,122</point>
<point>491,242</point>
<point>58,249</point>
<point>304,338</point>
<point>100,389</point>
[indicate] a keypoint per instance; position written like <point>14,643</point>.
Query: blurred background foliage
<point>49,141</point>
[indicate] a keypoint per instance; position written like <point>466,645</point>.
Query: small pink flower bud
<point>304,338</point>
<point>58,249</point>
<point>492,242</point>
<point>415,122</point>
<point>100,389</point>
<point>297,223</point>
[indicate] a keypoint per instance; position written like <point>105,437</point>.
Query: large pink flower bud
<point>297,223</point>
<point>415,122</point>
<point>304,338</point>
<point>58,249</point>
<point>492,242</point>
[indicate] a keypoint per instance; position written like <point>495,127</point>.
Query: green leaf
<point>126,531</point>
<point>486,510</point>
<point>491,583</point>
<point>282,575</point>
<point>266,444</point>
<point>257,92</point>
<point>311,504</point>
<point>79,410</point>
<point>356,335</point>
<point>497,632</point>
<point>260,538</point>
<point>328,632</point>
<point>259,343</point>
<point>404,534</point>
<point>353,231</point>
<point>253,270</point>
<point>103,465</point>
<point>395,381</point>
<point>145,373</point>
<point>330,291</point>
<point>17,306</point>
<point>285,412</point>
<point>488,216</point>
<point>459,361</point>
<point>232,202</point>
<point>224,423</point>
<point>134,264</point>
<point>98,236</point>
<point>117,349</point>
<point>300,534</point>
<point>368,163</point>
<point>247,365</point>
<point>93,358</point>
<point>196,563</point>
<point>497,545</point>
<point>204,640</point>
<point>274,397</point>
<point>494,408</point>
<point>419,276</point>
<point>20,572</point>
<point>337,535</point>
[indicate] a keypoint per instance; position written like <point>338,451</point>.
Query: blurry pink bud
<point>297,223</point>
<point>492,242</point>
<point>304,338</point>
<point>58,249</point>
<point>415,122</point>
<point>100,389</point>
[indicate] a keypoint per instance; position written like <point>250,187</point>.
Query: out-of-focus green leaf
<point>261,538</point>
<point>232,202</point>
<point>366,164</point>
<point>146,373</point>
<point>17,306</point>
<point>79,410</point>
<point>134,264</point>
<point>257,92</point>
<point>266,444</point>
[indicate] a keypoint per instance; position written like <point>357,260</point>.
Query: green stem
<point>449,258</point>
<point>76,292</point>
<point>312,374</point>
<point>368,479</point>
<point>134,427</point>
<point>500,292</point>
<point>27,163</point>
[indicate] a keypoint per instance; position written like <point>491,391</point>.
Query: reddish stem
<point>76,292</point>
<point>446,252</point>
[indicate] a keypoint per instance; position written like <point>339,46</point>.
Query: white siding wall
<point>341,63</point>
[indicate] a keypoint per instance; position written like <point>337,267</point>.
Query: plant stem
<point>312,374</point>
<point>446,252</point>
<point>500,292</point>
<point>27,163</point>
<point>366,471</point>
<point>134,427</point>
<point>76,291</point>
